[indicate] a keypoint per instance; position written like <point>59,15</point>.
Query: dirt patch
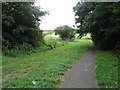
<point>5,77</point>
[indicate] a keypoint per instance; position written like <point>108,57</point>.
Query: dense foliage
<point>65,32</point>
<point>102,20</point>
<point>20,24</point>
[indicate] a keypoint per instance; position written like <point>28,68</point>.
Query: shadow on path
<point>82,73</point>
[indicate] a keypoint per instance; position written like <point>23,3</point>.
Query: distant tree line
<point>102,20</point>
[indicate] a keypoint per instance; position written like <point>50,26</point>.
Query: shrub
<point>20,24</point>
<point>102,20</point>
<point>65,32</point>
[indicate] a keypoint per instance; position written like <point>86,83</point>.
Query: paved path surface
<point>82,74</point>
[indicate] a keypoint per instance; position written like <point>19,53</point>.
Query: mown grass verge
<point>43,69</point>
<point>107,69</point>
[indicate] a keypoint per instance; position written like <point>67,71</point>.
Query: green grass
<point>45,68</point>
<point>88,36</point>
<point>50,35</point>
<point>53,40</point>
<point>107,69</point>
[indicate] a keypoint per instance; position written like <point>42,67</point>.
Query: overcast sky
<point>60,13</point>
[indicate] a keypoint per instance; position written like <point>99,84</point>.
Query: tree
<point>20,24</point>
<point>102,20</point>
<point>65,32</point>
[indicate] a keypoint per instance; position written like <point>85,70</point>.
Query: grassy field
<point>42,69</point>
<point>107,69</point>
<point>50,35</point>
<point>88,36</point>
<point>52,39</point>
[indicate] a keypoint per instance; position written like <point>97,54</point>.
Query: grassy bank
<point>107,69</point>
<point>43,69</point>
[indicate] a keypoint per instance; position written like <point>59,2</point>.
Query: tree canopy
<point>102,20</point>
<point>65,32</point>
<point>20,24</point>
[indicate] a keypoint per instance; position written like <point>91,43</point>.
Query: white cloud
<point>60,13</point>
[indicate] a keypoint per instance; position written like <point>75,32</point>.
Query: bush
<point>53,43</point>
<point>20,24</point>
<point>18,50</point>
<point>65,32</point>
<point>101,20</point>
